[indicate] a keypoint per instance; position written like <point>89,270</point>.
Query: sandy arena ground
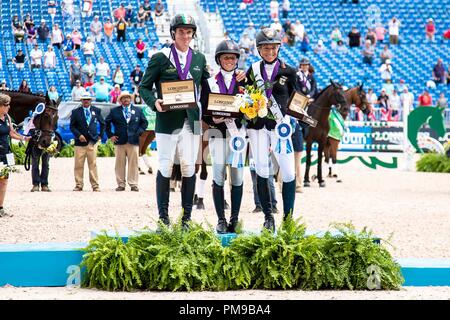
<point>412,207</point>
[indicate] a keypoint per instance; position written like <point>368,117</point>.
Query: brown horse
<point>320,110</point>
<point>21,104</point>
<point>356,96</point>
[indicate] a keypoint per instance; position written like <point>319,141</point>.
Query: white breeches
<point>220,151</point>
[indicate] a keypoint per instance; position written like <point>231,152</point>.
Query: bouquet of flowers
<point>5,170</point>
<point>252,102</point>
<point>52,149</point>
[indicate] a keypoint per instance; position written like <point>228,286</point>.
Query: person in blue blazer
<point>129,123</point>
<point>87,125</point>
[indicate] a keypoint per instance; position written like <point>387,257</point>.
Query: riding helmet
<point>182,20</point>
<point>227,46</point>
<point>267,36</point>
<point>304,61</point>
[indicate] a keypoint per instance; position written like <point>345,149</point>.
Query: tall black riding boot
<point>262,185</point>
<point>236,199</point>
<point>218,196</point>
<point>288,192</point>
<point>187,198</point>
<point>162,197</point>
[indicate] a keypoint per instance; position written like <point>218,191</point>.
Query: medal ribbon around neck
<point>223,87</point>
<point>272,78</point>
<point>182,74</point>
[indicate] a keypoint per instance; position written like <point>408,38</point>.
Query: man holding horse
<point>268,134</point>
<point>83,124</point>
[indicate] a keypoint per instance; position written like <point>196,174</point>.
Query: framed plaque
<point>221,105</point>
<point>178,95</point>
<point>297,108</point>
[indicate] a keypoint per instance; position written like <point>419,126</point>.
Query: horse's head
<point>45,123</point>
<point>337,96</point>
<point>361,102</point>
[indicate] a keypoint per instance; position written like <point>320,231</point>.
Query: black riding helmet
<point>227,46</point>
<point>268,36</point>
<point>182,21</point>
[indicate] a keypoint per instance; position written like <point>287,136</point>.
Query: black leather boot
<point>288,192</point>
<point>236,199</point>
<point>187,198</point>
<point>218,196</point>
<point>262,185</point>
<point>162,197</point>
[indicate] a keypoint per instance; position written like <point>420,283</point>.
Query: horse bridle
<point>38,131</point>
<point>363,101</point>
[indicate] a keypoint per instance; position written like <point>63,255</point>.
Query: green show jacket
<point>160,69</point>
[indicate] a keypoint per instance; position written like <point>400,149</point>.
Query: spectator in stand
<point>121,26</point>
<point>118,77</point>
<point>439,74</point>
<point>120,12</point>
<point>76,38</point>
<point>19,60</point>
<point>384,105</point>
<point>242,60</point>
<point>43,32</point>
<point>407,100</point>
<point>75,72</point>
<point>68,11</point>
<point>341,48</point>
<point>88,71</point>
<point>31,34</point>
<point>78,91</point>
<point>304,45</point>
<point>287,25</point>
<point>320,47</point>
<point>394,30</point>
<point>19,34</point>
<point>448,76</point>
<point>368,52</point>
<point>88,48</point>
<point>371,35</point>
<point>285,8</point>
<point>354,38</point>
<point>53,93</point>
<point>68,47</point>
<point>140,48</point>
<point>276,25</point>
<point>401,85</point>
<point>87,8</point>
<point>395,104</point>
<point>148,9</point>
<point>430,30</point>
<point>141,16</point>
<point>442,101</point>
<point>372,97</point>
<point>336,35</point>
<point>96,29</point>
<point>290,36</point>
<point>380,31</point>
<point>166,44</point>
<point>129,15</point>
<point>51,4</point>
<point>136,77</point>
<point>57,36</point>
<point>388,86</point>
<point>102,69</point>
<point>152,51</point>
<point>159,12</point>
<point>425,100</point>
<point>115,93</point>
<point>101,90</point>
<point>24,87</point>
<point>299,30</point>
<point>385,54</point>
<point>247,44</point>
<point>36,55</point>
<point>15,21</point>
<point>3,85</point>
<point>386,70</point>
<point>250,31</point>
<point>28,21</point>
<point>108,28</point>
<point>274,8</point>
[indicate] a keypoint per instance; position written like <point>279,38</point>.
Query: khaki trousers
<point>88,152</point>
<point>124,152</point>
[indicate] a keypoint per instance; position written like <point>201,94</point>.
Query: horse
<point>356,96</point>
<point>320,109</point>
<point>45,121</point>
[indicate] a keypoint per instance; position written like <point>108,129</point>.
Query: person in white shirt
<point>96,29</point>
<point>386,70</point>
<point>274,8</point>
<point>78,91</point>
<point>395,104</point>
<point>102,69</point>
<point>36,57</point>
<point>407,100</point>
<point>49,58</point>
<point>276,25</point>
<point>57,36</point>
<point>88,47</point>
<point>299,30</point>
<point>394,26</point>
<point>152,51</point>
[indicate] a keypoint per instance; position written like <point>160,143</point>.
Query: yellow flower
<point>251,113</point>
